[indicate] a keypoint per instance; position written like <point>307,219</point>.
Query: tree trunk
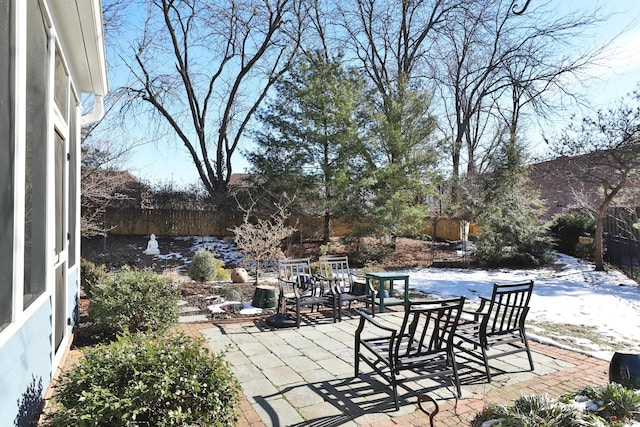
<point>599,237</point>
<point>455,175</point>
<point>327,228</point>
<point>434,230</point>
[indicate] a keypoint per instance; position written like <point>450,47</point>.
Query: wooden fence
<point>164,222</point>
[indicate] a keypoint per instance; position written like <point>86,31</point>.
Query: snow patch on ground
<point>246,310</point>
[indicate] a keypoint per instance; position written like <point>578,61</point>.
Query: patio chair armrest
<point>480,311</point>
<point>477,315</point>
<point>331,283</point>
<point>325,278</point>
<point>293,285</point>
<point>474,312</point>
<point>367,318</point>
<point>283,282</point>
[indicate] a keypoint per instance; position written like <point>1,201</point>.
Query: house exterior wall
<point>26,367</point>
<point>40,88</point>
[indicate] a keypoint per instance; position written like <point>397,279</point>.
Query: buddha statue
<point>152,246</point>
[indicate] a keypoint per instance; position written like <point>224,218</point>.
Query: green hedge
<point>134,300</point>
<point>147,379</point>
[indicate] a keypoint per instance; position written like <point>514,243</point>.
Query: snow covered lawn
<point>572,305</point>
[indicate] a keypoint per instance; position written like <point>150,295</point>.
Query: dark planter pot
<point>264,297</point>
<point>624,369</point>
<point>359,288</point>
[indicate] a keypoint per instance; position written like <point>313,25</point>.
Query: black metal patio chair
<point>346,287</point>
<point>298,288</point>
<point>498,320</point>
<point>423,344</point>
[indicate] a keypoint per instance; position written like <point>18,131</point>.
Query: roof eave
<point>79,27</point>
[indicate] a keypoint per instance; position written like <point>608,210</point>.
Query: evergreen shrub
<point>568,227</point>
<point>203,267</point>
<point>137,300</point>
<point>147,379</point>
<point>364,251</point>
<point>231,293</point>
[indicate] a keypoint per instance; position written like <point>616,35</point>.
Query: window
<point>35,150</point>
<point>61,86</point>
<point>7,161</point>
<point>73,187</point>
<point>60,192</point>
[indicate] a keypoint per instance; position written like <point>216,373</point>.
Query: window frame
<point>56,121</point>
<point>8,242</point>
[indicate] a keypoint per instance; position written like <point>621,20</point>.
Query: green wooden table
<point>390,277</point>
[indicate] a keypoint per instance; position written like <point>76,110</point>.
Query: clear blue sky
<point>618,76</point>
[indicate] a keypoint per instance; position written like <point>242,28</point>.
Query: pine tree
<point>509,214</point>
<point>309,143</point>
<point>403,161</point>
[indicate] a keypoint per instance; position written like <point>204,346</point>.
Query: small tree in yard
<point>260,240</point>
<point>508,215</point>
<point>610,144</point>
<point>134,300</point>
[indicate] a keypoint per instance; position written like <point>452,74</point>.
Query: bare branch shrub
<point>260,237</point>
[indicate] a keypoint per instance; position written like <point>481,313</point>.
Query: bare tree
<point>610,148</point>
<point>494,64</point>
<point>392,39</point>
<point>204,67</point>
<point>103,188</point>
<point>260,238</point>
<point>104,180</point>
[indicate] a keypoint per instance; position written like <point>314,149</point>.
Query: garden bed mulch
<point>116,251</point>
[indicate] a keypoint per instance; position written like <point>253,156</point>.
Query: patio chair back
<point>499,323</point>
<point>336,268</point>
<point>508,309</point>
<point>335,273</point>
<point>294,270</point>
<point>423,344</point>
<point>427,328</point>
<point>299,289</point>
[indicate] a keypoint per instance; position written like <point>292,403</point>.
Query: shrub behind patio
<point>203,267</point>
<point>134,300</point>
<point>147,379</point>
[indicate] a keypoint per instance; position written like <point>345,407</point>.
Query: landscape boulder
<point>239,275</point>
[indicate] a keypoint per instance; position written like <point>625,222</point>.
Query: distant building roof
<point>244,180</point>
